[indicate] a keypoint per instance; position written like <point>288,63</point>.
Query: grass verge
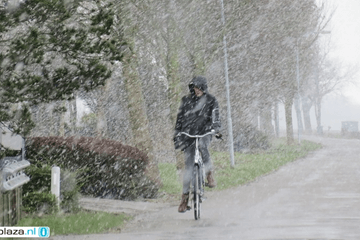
<point>169,178</point>
<point>248,166</point>
<point>83,222</point>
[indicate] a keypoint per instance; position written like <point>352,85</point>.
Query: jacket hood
<point>199,82</point>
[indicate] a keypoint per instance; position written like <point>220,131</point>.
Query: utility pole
<point>231,141</point>
<point>298,89</point>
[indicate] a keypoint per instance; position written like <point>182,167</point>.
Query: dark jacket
<point>197,115</point>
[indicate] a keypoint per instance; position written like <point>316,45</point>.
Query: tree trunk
<point>173,72</point>
<point>52,119</point>
<point>101,125</point>
<point>138,118</point>
<point>73,116</point>
<point>172,69</point>
<point>298,114</point>
<point>265,121</point>
<point>306,106</point>
<point>101,122</point>
<point>318,99</point>
<point>133,86</point>
<point>288,120</point>
<point>319,129</point>
<point>62,119</point>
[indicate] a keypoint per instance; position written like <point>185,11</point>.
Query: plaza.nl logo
<point>29,232</point>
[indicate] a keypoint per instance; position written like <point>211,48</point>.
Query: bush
<point>37,195</point>
<point>106,168</point>
<point>39,202</point>
<point>69,191</point>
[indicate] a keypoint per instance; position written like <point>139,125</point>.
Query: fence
<point>10,207</point>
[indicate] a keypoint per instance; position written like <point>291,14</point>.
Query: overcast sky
<point>345,49</point>
<point>345,38</point>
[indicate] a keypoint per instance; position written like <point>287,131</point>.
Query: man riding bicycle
<point>198,114</point>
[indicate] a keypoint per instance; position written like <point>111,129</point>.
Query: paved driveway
<point>317,197</point>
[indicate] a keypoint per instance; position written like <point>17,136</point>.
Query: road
<point>317,197</point>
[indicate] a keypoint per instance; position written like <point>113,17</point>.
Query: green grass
<point>250,166</point>
<point>83,222</point>
<point>169,178</point>
<point>247,166</point>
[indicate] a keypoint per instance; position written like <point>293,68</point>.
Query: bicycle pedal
<point>188,208</point>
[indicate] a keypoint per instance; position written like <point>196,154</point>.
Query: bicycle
<point>198,181</point>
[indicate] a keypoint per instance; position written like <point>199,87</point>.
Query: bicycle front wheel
<point>197,202</point>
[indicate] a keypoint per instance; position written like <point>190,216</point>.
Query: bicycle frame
<point>197,152</point>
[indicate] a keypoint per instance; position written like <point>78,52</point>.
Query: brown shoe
<point>184,203</point>
<point>211,181</point>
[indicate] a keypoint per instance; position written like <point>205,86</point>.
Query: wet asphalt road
<point>317,197</point>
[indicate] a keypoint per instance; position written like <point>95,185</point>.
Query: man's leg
<point>189,153</point>
<point>203,147</point>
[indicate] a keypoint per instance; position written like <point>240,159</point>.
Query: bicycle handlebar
<point>197,136</point>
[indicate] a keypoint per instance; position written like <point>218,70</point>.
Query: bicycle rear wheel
<point>197,202</point>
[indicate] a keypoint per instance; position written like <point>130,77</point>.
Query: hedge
<point>106,168</point>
